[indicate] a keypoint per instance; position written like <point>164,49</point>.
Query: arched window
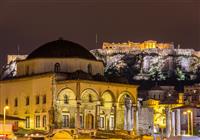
<point>57,67</point>
<point>89,68</point>
<point>66,100</point>
<point>90,98</point>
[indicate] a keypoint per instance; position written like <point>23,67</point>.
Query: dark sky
<point>31,23</point>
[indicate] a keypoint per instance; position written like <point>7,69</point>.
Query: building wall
<point>107,101</point>
<point>108,97</point>
<point>21,89</point>
<point>43,65</point>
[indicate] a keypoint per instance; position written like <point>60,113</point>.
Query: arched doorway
<point>66,100</point>
<point>108,111</point>
<point>89,121</point>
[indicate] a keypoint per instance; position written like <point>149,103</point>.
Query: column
<point>132,114</point>
<point>178,122</point>
<point>115,115</point>
<point>98,114</point>
<point>168,122</point>
<point>78,114</point>
<point>78,103</point>
<point>129,118</point>
<point>125,117</point>
<point>173,123</point>
<point>135,120</point>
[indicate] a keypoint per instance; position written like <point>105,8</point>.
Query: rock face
<point>150,64</point>
<point>9,70</point>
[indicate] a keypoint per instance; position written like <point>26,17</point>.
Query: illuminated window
<point>66,100</point>
<point>6,101</point>
<point>81,121</point>
<point>37,121</point>
<point>111,122</point>
<point>65,121</point>
<point>37,99</point>
<point>57,67</point>
<point>101,122</point>
<point>27,100</point>
<point>27,121</point>
<point>44,121</point>
<point>44,100</point>
<point>16,102</point>
<point>89,68</point>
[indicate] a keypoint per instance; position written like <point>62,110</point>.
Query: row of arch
<point>90,95</point>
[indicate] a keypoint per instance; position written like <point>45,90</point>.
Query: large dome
<point>61,49</point>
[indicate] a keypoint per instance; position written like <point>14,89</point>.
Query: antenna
<point>96,40</point>
<point>18,48</point>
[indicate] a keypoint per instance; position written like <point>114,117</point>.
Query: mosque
<point>61,86</point>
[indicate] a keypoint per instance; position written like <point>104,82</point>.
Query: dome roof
<point>61,49</point>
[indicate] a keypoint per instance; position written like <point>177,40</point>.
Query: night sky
<point>31,23</point>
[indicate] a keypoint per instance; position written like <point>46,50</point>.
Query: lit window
<point>44,99</point>
<point>44,121</point>
<point>101,122</point>
<point>81,121</point>
<point>66,99</point>
<point>27,122</point>
<point>37,121</point>
<point>16,102</point>
<point>111,122</point>
<point>27,100</point>
<point>37,99</point>
<point>57,67</point>
<point>65,120</point>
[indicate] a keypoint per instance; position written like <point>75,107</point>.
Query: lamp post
<point>4,117</point>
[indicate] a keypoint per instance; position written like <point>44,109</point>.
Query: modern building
<point>61,86</point>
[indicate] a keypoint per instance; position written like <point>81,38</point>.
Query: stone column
<point>54,106</point>
<point>173,123</point>
<point>78,114</point>
<point>168,122</point>
<point>132,113</point>
<point>115,116</point>
<point>125,118</point>
<point>78,105</point>
<point>135,118</point>
<point>178,122</point>
<point>129,118</point>
<point>98,114</point>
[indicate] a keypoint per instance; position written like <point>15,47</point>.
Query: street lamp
<point>4,117</point>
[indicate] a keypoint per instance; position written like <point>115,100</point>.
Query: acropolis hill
<point>149,60</point>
